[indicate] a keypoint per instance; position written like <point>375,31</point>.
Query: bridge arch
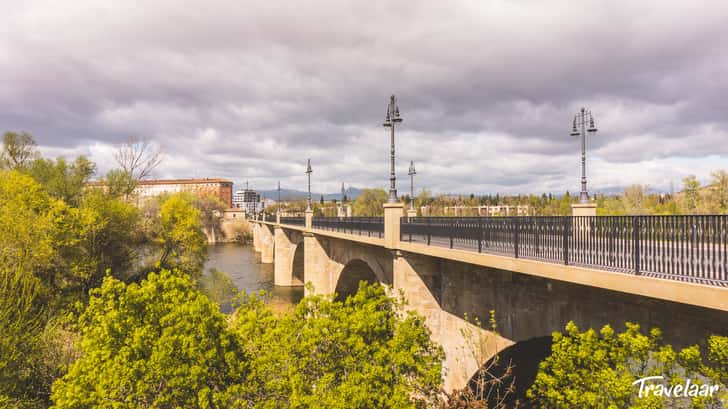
<point>351,275</point>
<point>297,265</point>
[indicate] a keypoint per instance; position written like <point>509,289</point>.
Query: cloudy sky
<point>248,90</point>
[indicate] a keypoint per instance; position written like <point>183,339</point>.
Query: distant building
<point>248,200</point>
<point>221,188</point>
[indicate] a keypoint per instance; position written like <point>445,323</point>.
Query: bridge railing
<point>367,226</point>
<point>686,248</point>
<point>294,221</point>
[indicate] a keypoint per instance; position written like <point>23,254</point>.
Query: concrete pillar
<point>285,250</point>
<point>348,210</point>
<point>393,212</point>
<point>267,245</point>
<point>584,209</point>
<point>411,213</point>
<point>256,237</point>
<point>581,228</point>
<point>278,217</point>
<point>309,219</point>
<point>315,266</point>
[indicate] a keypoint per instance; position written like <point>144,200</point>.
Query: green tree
<point>597,370</point>
<point>120,183</point>
<point>160,343</point>
<point>109,239</point>
<point>21,325</point>
<point>365,352</point>
<point>19,149</point>
<point>180,238</point>
<point>61,179</point>
<point>635,200</point>
<point>718,196</point>
<point>27,234</point>
<point>369,203</point>
<point>690,194</point>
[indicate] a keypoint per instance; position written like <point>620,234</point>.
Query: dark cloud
<point>250,90</point>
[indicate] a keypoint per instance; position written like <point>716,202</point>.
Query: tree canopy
<point>160,343</point>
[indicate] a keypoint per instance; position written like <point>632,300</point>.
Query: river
<point>249,275</point>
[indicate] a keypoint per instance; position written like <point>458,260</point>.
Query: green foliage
<point>691,194</point>
<point>361,353</point>
<point>120,183</point>
<point>160,343</point>
<point>19,149</point>
<point>61,179</point>
<point>219,287</point>
<point>597,370</point>
<point>21,326</point>
<point>109,240</point>
<point>369,203</point>
<point>180,238</point>
<point>26,217</point>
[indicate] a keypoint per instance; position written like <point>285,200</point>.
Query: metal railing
<point>367,226</point>
<point>686,248</point>
<point>294,221</point>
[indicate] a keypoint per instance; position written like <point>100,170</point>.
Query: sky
<point>248,90</point>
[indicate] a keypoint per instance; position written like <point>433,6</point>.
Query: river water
<point>249,275</point>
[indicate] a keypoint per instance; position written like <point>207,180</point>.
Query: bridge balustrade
<point>294,221</point>
<point>367,226</point>
<point>685,248</point>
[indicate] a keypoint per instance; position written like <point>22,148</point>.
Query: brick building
<point>221,188</point>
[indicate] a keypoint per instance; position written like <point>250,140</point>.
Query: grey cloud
<point>249,90</point>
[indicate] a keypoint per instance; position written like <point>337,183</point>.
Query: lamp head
<point>574,131</point>
<point>592,128</point>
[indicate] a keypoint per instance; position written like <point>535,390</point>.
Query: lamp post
<point>391,120</point>
<point>583,123</point>
<point>279,196</point>
<point>308,172</point>
<point>412,172</point>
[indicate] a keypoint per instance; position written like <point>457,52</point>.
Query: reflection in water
<point>249,275</point>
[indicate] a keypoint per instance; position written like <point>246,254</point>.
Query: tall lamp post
<point>279,196</point>
<point>412,172</point>
<point>391,120</point>
<point>308,172</point>
<point>583,123</point>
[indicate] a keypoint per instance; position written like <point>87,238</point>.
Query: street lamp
<point>279,197</point>
<point>412,172</point>
<point>583,123</point>
<point>390,121</point>
<point>308,172</point>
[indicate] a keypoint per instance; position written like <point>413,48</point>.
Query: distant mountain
<point>289,194</point>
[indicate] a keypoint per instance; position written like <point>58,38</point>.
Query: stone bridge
<point>531,298</point>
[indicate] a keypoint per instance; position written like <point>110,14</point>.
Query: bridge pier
<point>267,245</point>
<point>284,264</point>
<point>316,266</point>
<point>256,237</point>
<point>467,346</point>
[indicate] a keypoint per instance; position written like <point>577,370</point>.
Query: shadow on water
<point>247,273</point>
<point>524,357</point>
